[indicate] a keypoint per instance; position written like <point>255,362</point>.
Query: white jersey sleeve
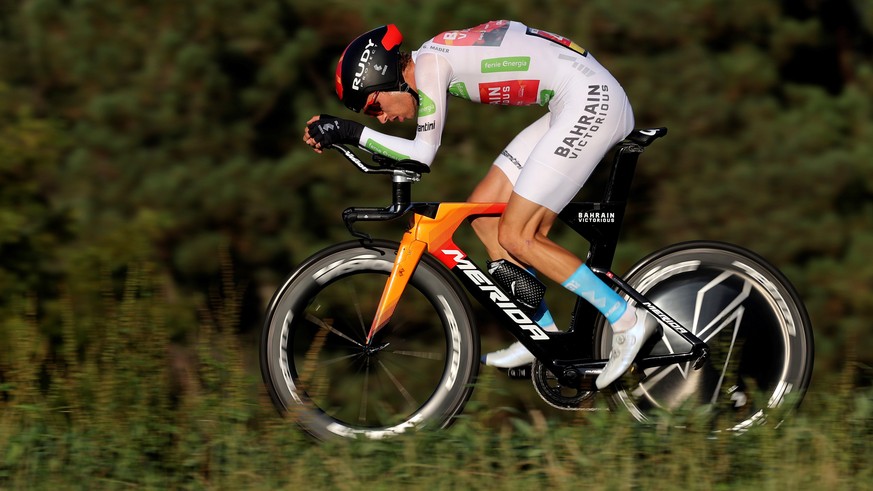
<point>432,76</point>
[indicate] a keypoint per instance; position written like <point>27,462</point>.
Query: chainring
<point>550,390</point>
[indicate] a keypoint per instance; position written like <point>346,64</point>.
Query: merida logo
<point>666,319</point>
<point>497,296</point>
<point>426,126</point>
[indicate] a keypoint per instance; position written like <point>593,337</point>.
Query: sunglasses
<point>373,108</point>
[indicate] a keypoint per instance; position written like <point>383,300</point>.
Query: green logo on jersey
<point>426,105</point>
<point>458,89</point>
<point>546,96</point>
<point>376,147</point>
<point>510,64</point>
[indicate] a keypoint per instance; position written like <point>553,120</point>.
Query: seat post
<point>622,175</point>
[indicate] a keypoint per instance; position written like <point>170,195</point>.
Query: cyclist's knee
<point>516,241</point>
<point>523,227</point>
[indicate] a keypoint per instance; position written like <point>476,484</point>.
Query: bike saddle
<point>645,137</point>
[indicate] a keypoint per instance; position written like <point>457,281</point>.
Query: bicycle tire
<point>757,328</point>
<point>417,373</point>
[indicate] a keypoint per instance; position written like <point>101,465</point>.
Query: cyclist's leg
<point>497,186</point>
<point>521,221</point>
<point>556,169</point>
<point>579,133</point>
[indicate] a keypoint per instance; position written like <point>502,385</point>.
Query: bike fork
<point>408,256</point>
<point>428,233</point>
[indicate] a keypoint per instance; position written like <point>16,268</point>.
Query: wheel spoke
<point>362,411</point>
<point>312,379</point>
<point>419,354</point>
<point>324,325</point>
<point>400,388</point>
<point>324,363</point>
<point>353,294</point>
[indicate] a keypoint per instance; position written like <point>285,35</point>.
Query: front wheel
<point>750,316</point>
<point>417,372</point>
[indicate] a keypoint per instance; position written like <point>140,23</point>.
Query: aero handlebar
<point>403,172</point>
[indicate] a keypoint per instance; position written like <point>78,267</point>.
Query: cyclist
<point>539,172</point>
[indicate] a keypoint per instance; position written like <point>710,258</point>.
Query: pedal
<point>522,372</point>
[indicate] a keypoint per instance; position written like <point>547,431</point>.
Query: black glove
<point>331,129</point>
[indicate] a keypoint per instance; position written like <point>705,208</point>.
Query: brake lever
<point>350,216</point>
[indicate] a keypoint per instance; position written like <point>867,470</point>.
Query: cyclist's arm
<point>432,76</point>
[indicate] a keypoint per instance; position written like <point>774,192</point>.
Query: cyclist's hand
<point>307,139</point>
<point>325,130</point>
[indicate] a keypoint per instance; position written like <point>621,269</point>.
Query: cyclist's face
<point>390,106</point>
<point>373,107</point>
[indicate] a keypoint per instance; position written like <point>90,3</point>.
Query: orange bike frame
<point>433,229</point>
<point>434,235</point>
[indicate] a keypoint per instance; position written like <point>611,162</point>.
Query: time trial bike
<point>372,338</point>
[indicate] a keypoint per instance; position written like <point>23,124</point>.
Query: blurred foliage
<point>150,148</point>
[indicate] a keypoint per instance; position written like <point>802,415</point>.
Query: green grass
<point>113,398</point>
<point>226,436</point>
<point>219,450</point>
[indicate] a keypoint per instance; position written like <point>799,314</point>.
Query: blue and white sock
<point>543,318</point>
<point>587,285</point>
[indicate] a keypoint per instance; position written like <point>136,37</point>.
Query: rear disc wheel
<point>750,316</point>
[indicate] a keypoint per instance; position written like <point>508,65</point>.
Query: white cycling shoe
<point>625,346</point>
<point>515,355</point>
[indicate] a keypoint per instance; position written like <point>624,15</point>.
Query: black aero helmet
<point>370,63</point>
